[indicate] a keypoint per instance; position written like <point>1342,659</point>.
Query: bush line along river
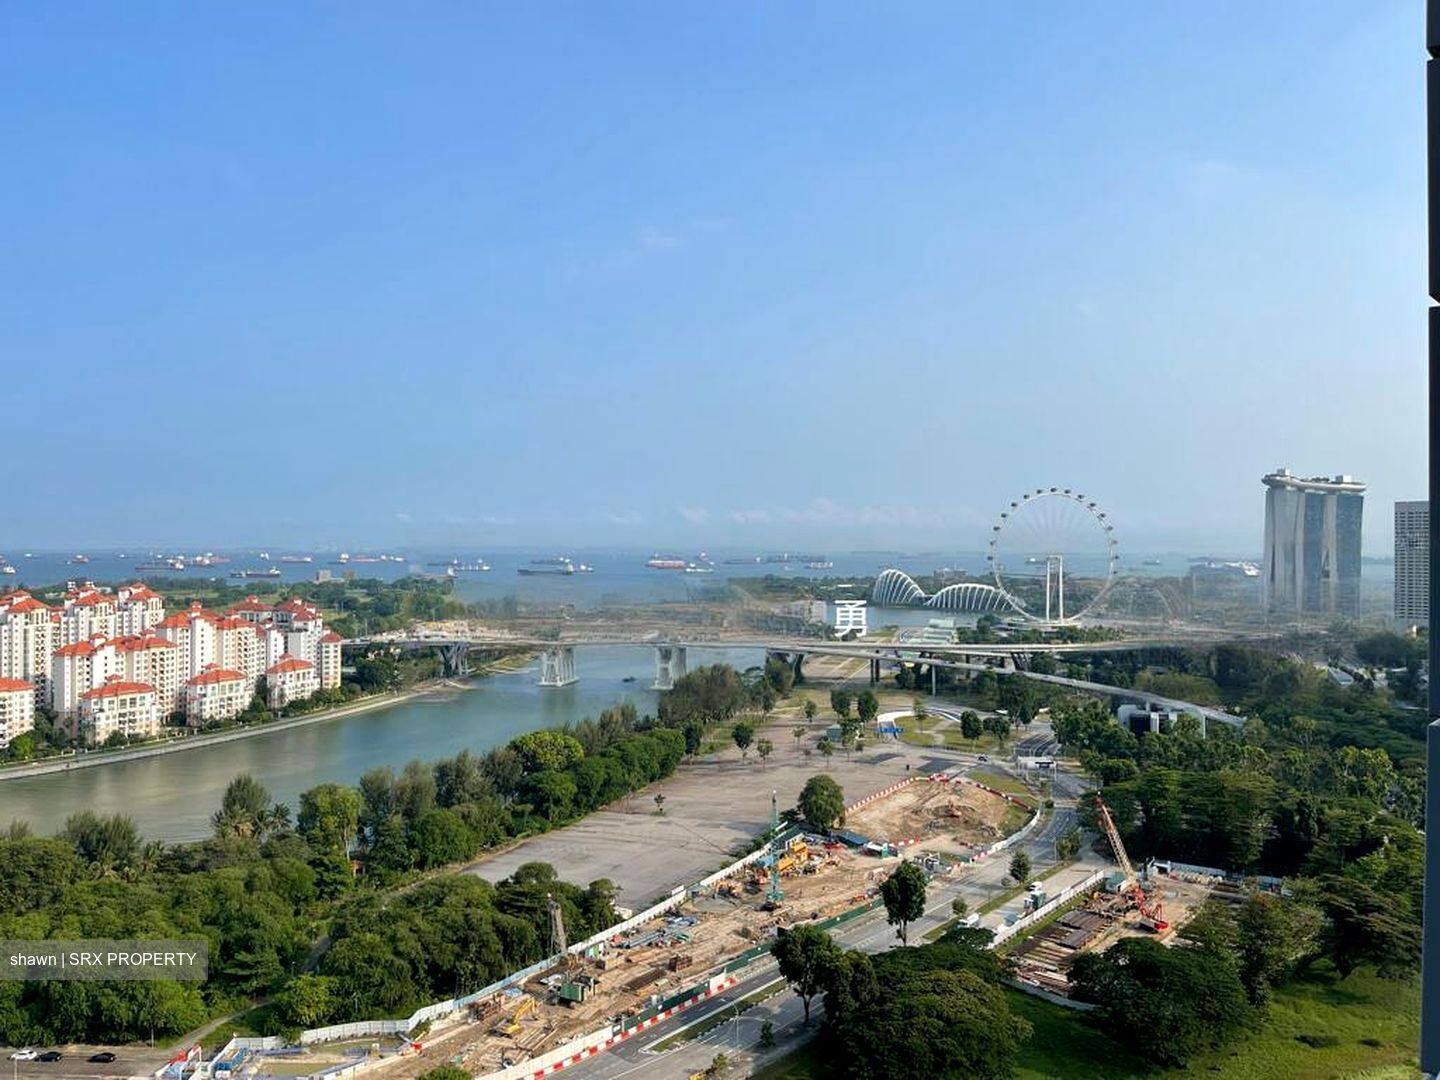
<point>171,796</point>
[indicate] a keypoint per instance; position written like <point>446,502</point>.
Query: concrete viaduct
<point>557,659</point>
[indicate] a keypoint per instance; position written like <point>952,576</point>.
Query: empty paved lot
<point>712,807</point>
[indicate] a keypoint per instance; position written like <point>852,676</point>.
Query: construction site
<point>957,818</point>
<point>623,980</point>
<point>631,977</point>
<point>1126,903</point>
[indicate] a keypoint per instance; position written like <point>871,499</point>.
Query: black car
<point>103,1058</point>
<point>50,1055</point>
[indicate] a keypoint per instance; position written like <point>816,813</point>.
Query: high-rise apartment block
<point>1412,563</point>
<point>1312,544</point>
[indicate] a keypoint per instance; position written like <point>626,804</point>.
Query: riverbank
<point>93,758</point>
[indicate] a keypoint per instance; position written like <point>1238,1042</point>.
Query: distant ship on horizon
<point>540,567</point>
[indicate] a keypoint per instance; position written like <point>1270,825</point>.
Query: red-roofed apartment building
<point>27,638</point>
<point>290,679</point>
<point>17,709</point>
<point>149,658</point>
<point>75,670</point>
<point>137,608</point>
<point>86,612</point>
<point>130,708</point>
<point>216,694</point>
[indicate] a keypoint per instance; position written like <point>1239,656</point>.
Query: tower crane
<point>1150,909</point>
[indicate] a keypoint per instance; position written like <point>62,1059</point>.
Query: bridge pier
<point>797,665</point>
<point>557,666</point>
<point>670,664</point>
<point>874,670</point>
<point>455,659</point>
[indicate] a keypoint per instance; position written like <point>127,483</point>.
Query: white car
<point>28,1054</point>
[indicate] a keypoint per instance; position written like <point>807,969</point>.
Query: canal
<point>171,797</point>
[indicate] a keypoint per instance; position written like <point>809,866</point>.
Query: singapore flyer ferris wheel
<point>1053,555</point>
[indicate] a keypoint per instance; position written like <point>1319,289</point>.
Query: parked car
<point>29,1053</point>
<point>50,1055</point>
<point>981,757</point>
<point>104,1057</point>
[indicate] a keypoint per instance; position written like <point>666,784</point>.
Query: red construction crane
<point>1150,910</point>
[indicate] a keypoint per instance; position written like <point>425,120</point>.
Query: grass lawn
<point>1361,1007</point>
<point>1003,782</point>
<point>948,736</point>
<point>918,738</point>
<point>803,1064</point>
<point>1015,817</point>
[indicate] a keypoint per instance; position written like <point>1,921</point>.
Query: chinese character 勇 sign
<point>850,616</point>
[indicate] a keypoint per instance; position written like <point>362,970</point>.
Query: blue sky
<point>695,274</point>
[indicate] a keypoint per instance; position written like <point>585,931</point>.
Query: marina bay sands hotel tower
<point>1312,544</point>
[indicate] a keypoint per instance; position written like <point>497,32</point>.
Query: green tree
<point>867,705</point>
<point>764,748</point>
<point>307,1001</point>
<point>921,1012</point>
<point>821,802</point>
<point>244,808</point>
<point>918,710</point>
<point>767,696</point>
<point>998,726</point>
<point>811,709</point>
<point>840,702</point>
<point>903,893</point>
<point>329,817</point>
<point>541,750</point>
<point>109,845</point>
<point>1272,935</point>
<point>804,956</point>
<point>1020,867</point>
<point>742,734</point>
<point>1365,926</point>
<point>797,733</point>
<point>1068,846</point>
<point>440,838</point>
<point>446,1072</point>
<point>826,748</point>
<point>970,726</point>
<point>553,794</point>
<point>1168,1003</point>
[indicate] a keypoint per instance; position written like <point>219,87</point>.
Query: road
<point>738,1038</point>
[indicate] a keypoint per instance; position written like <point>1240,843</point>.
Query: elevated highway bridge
<point>1005,659</point>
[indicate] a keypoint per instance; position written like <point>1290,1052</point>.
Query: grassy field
<point>1374,1024</point>
<point>1362,1007</point>
<point>1003,782</point>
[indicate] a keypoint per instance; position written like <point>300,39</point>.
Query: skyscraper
<point>1312,544</point>
<point>1412,563</point>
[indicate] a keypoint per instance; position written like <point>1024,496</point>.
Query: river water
<point>172,796</point>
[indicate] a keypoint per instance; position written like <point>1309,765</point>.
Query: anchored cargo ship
<point>564,568</point>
